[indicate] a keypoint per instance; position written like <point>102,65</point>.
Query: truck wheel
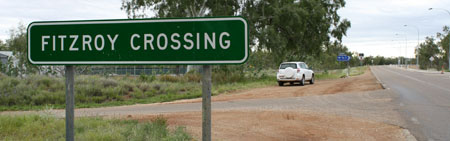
<point>280,83</point>
<point>312,80</point>
<point>302,82</point>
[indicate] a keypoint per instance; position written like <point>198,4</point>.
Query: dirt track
<point>283,125</point>
<point>364,82</point>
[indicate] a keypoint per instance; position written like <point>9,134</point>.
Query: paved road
<point>423,100</point>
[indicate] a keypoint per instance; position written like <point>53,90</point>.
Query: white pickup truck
<point>294,72</point>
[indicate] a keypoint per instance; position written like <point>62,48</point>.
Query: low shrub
<point>45,127</point>
<point>228,77</point>
<point>37,91</point>
<point>170,78</point>
<point>193,77</point>
<point>147,78</point>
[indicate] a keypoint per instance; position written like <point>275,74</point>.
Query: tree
<point>17,43</point>
<point>328,58</point>
<point>287,29</point>
<point>292,29</point>
<point>444,43</point>
<point>180,8</point>
<point>426,50</point>
<point>2,46</point>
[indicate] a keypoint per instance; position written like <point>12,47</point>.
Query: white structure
<point>5,55</point>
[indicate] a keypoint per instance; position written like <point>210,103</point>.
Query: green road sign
<point>220,40</point>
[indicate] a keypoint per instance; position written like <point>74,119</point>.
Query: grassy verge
<point>38,127</point>
<point>38,92</point>
<point>340,73</point>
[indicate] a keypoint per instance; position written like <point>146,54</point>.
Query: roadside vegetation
<point>36,92</point>
<point>340,73</point>
<point>45,127</point>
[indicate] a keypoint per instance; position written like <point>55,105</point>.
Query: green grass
<point>44,127</point>
<point>340,73</point>
<point>37,92</point>
<point>358,70</point>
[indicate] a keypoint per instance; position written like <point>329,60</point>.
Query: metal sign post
<point>70,98</point>
<point>361,57</point>
<point>431,61</point>
<point>348,69</point>
<point>344,58</point>
<point>206,103</point>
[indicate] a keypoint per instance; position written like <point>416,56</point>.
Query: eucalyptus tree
<point>179,8</point>
<point>287,29</point>
<point>427,50</point>
<point>445,44</point>
<point>3,46</point>
<point>293,29</point>
<point>17,43</point>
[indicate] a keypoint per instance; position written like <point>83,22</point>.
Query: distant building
<point>7,55</point>
<point>4,56</point>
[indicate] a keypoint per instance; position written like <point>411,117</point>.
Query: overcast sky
<point>375,23</point>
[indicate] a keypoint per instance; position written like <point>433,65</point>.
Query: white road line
<point>418,80</point>
<point>379,81</point>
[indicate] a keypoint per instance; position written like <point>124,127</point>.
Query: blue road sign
<point>343,58</point>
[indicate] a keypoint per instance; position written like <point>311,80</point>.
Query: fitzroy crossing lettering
<point>137,41</point>
<point>152,41</point>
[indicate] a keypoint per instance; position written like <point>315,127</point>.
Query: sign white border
<point>139,62</point>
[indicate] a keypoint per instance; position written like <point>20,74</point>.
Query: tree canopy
<point>2,46</point>
<point>426,50</point>
<point>445,44</point>
<point>294,29</point>
<point>289,29</point>
<point>17,43</point>
<point>180,8</point>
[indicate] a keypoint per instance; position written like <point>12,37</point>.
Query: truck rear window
<point>292,65</point>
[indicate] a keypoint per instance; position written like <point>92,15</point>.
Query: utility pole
<point>400,52</point>
<point>406,51</point>
<point>348,69</point>
<point>418,37</point>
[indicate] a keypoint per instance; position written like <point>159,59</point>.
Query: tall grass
<point>340,73</point>
<point>39,127</point>
<point>35,91</point>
